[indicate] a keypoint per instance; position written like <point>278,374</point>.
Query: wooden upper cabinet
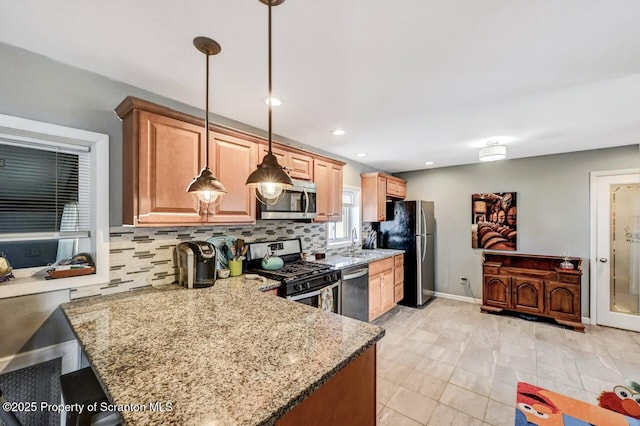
<point>163,150</point>
<point>234,160</point>
<point>280,154</point>
<point>301,166</point>
<point>158,166</point>
<point>376,189</point>
<point>297,164</point>
<point>328,180</point>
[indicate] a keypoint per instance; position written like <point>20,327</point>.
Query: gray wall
<point>553,208</point>
<point>38,88</point>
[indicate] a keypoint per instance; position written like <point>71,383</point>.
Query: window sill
<point>338,244</point>
<point>32,285</point>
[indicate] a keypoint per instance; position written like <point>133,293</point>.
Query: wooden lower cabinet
<point>532,284</point>
<point>528,295</point>
<point>496,291</point>
<point>348,398</point>
<point>398,279</point>
<point>384,291</point>
<point>563,300</point>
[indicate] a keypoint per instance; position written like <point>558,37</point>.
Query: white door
<point>616,265</point>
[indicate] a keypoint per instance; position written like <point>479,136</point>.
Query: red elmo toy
<point>622,400</point>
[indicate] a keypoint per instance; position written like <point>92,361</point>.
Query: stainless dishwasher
<point>355,292</point>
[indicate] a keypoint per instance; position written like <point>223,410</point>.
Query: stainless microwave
<point>298,203</point>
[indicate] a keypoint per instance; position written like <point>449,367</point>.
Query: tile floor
<point>450,364</point>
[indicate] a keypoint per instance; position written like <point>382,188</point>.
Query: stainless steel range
<point>313,284</point>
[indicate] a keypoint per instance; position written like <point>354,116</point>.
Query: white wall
<point>553,208</point>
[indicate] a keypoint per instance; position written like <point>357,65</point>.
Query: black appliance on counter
<point>196,261</point>
<point>411,227</point>
<point>311,283</point>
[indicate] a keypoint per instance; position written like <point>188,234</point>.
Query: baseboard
<point>586,320</point>
<point>465,299</point>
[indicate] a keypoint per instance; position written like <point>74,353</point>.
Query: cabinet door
<point>375,296</point>
<point>496,291</point>
<point>381,202</point>
<point>528,295</point>
<point>398,268</point>
<point>563,300</point>
<point>387,290</point>
<point>396,188</point>
<point>171,154</point>
<point>300,166</point>
<point>322,179</point>
<point>399,292</point>
<point>335,196</point>
<point>234,159</point>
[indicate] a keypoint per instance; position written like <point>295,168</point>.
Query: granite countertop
<point>225,355</point>
<point>362,257</point>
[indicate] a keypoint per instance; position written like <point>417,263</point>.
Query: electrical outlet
<point>32,252</point>
<point>464,281</point>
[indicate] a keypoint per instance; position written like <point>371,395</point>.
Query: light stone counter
<point>225,355</point>
<point>361,257</point>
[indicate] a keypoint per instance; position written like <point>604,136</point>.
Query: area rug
<point>537,406</point>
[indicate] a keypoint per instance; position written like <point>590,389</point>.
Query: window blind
<point>44,192</point>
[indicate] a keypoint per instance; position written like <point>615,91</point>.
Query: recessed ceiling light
<point>429,163</point>
<point>338,132</point>
<point>274,101</point>
<point>361,154</point>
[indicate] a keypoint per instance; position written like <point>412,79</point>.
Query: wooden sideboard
<point>533,285</point>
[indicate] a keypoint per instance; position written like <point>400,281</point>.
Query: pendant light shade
<point>269,180</point>
<point>206,187</point>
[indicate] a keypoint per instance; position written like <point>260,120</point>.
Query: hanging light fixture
<point>269,180</point>
<point>492,152</point>
<point>208,189</point>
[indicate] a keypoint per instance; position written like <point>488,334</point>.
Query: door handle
<point>603,260</point>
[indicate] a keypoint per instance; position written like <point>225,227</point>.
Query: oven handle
<point>312,294</point>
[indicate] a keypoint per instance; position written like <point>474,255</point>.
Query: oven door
<point>327,298</point>
<point>299,202</point>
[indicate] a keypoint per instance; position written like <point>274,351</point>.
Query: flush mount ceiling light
<point>274,101</point>
<point>492,152</point>
<point>338,132</point>
<point>206,186</point>
<point>269,180</point>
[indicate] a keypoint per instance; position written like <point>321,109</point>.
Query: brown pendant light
<point>206,186</point>
<point>269,180</point>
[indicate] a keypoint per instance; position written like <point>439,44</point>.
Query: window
<point>54,202</point>
<point>44,203</point>
<point>339,233</point>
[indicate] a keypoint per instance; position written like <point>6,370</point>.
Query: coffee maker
<point>196,264</point>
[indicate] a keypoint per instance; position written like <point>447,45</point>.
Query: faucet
<point>354,237</point>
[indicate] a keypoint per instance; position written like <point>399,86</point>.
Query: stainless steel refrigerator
<point>411,227</point>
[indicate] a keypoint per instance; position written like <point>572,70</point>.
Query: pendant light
<point>207,188</point>
<point>269,180</point>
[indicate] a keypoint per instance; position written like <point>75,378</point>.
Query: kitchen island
<point>225,355</point>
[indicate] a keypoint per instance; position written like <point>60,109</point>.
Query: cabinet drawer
<point>399,260</point>
<point>380,266</point>
<point>398,292</point>
<point>490,270</point>
<point>569,278</point>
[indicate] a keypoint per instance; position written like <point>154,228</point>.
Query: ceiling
<point>409,80</point>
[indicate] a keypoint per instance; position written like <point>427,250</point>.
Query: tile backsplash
<point>141,257</point>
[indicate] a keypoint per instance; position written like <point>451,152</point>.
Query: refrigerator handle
<point>424,248</point>
<point>423,226</point>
